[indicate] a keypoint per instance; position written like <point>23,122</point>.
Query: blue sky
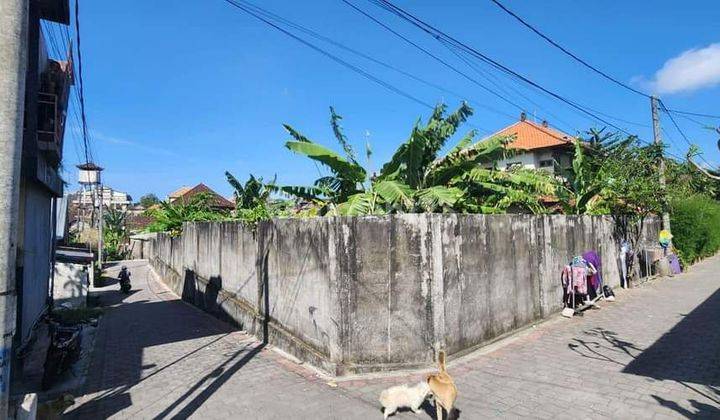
<point>177,92</point>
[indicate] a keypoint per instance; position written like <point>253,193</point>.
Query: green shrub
<point>695,225</point>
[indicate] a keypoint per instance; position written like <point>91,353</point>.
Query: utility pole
<point>658,140</point>
<point>13,66</point>
<point>100,227</point>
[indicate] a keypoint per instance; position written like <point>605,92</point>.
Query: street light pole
<point>100,227</point>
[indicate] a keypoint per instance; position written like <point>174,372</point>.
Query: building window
<point>547,163</point>
<point>513,165</point>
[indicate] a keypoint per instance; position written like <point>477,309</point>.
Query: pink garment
<point>579,277</point>
<point>574,279</point>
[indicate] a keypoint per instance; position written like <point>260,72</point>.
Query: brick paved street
<point>655,353</point>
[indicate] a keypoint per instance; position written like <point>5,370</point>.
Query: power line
<point>496,81</point>
<point>479,70</point>
<point>331,41</point>
<point>439,34</point>
<point>585,63</point>
<point>677,127</point>
<point>50,37</point>
<point>330,55</point>
<point>58,53</point>
<point>695,114</point>
<point>435,57</point>
<point>246,8</point>
<point>80,78</point>
<point>563,49</point>
<point>691,119</point>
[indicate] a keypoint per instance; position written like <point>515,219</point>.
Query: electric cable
<point>82,90</point>
<point>331,41</point>
<point>585,63</point>
<point>563,49</point>
<point>438,34</point>
<point>435,57</point>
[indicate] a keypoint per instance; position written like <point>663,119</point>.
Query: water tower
<point>89,174</point>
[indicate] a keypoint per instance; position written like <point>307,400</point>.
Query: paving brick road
<point>655,353</point>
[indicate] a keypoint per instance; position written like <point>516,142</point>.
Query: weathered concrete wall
<point>384,267</point>
<point>140,244</point>
<point>70,284</point>
<point>374,293</point>
<point>35,249</point>
<point>212,265</point>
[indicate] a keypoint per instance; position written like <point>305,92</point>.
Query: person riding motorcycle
<point>124,279</point>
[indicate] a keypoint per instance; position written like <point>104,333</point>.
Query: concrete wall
<point>34,254</point>
<point>71,284</point>
<point>354,295</point>
<point>139,245</point>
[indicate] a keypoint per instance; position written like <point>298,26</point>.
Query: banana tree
<point>493,191</point>
<point>169,217</point>
<point>423,181</point>
<point>115,234</point>
<point>346,178</point>
<point>253,193</point>
<point>417,178</point>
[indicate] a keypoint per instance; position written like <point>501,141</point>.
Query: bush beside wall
<point>695,225</point>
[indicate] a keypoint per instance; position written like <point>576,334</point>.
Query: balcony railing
<point>50,125</point>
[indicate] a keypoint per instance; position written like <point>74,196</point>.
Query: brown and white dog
<point>442,387</point>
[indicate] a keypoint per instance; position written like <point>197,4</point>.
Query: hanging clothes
<point>593,258</point>
<point>575,276</point>
<point>625,258</point>
<point>674,264</point>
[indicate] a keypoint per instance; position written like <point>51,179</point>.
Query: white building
<point>537,146</point>
<point>110,198</point>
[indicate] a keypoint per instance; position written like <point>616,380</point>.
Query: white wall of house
<point>526,160</point>
<point>540,159</point>
<point>110,197</point>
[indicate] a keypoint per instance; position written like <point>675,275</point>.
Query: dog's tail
<point>384,397</point>
<point>441,360</point>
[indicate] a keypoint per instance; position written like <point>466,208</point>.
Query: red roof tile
<point>186,193</point>
<point>530,135</point>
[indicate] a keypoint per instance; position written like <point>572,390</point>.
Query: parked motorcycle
<point>64,350</point>
<point>124,280</point>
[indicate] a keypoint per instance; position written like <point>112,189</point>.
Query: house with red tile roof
<point>186,193</point>
<point>537,146</point>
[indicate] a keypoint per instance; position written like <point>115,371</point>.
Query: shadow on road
<point>689,351</point>
<point>702,410</point>
<point>216,379</point>
<point>688,354</point>
<point>138,321</point>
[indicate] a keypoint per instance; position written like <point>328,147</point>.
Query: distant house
<point>184,194</point>
<point>538,146</point>
<point>111,198</point>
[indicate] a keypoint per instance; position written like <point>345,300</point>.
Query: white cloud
<point>693,69</point>
<point>97,135</point>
